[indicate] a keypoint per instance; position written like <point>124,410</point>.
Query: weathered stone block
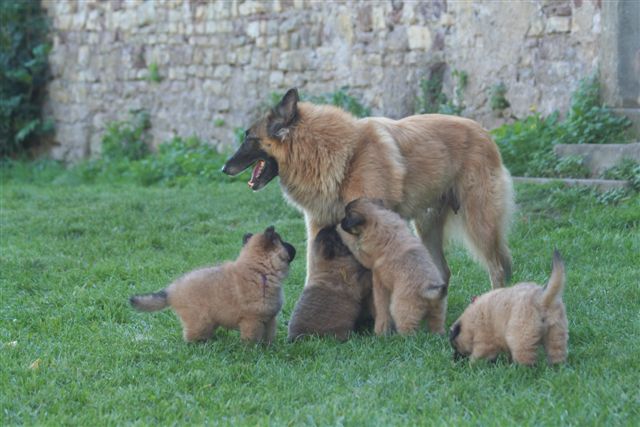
<point>222,72</point>
<point>536,28</point>
<point>558,24</point>
<point>276,78</point>
<point>251,8</point>
<point>378,20</point>
<point>345,27</point>
<point>419,37</point>
<point>253,29</point>
<point>397,39</point>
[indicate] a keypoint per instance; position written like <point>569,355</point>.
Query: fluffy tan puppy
<point>337,300</point>
<point>516,320</point>
<point>407,286</point>
<point>245,294</point>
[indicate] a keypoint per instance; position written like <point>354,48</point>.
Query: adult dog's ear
<point>352,222</point>
<point>284,115</point>
<point>246,238</point>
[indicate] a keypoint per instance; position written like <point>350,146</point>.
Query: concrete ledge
<point>599,157</point>
<point>598,184</point>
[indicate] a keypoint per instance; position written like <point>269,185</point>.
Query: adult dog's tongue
<point>257,170</point>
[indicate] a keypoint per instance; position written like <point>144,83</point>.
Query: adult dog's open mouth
<point>265,167</point>
<point>257,171</point>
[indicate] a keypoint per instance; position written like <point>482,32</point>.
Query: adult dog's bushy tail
<point>553,290</point>
<point>150,302</point>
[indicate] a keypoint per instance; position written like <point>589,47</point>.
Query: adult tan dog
<point>407,286</point>
<point>443,172</point>
<point>516,320</point>
<point>244,294</point>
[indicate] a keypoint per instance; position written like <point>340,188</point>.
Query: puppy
<point>244,294</point>
<point>516,319</point>
<point>407,286</point>
<point>337,298</point>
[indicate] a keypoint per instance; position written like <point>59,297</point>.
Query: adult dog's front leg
<point>312,230</point>
<point>381,301</point>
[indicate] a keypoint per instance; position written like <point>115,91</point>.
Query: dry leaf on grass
<point>35,364</point>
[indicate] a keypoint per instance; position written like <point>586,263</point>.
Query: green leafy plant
<point>570,167</point>
<point>238,132</point>
<point>154,73</point>
<point>24,50</point>
<point>128,139</point>
<point>179,161</point>
<point>498,99</point>
<point>340,98</point>
<point>613,196</point>
<point>527,144</point>
<point>219,123</point>
<point>431,98</point>
<point>123,142</point>
<point>589,121</point>
<point>627,170</point>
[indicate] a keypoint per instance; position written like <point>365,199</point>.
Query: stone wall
<point>218,62</point>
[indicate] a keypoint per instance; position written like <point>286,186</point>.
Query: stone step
<point>598,184</point>
<point>600,157</point>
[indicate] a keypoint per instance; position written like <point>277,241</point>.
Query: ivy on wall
<point>24,50</point>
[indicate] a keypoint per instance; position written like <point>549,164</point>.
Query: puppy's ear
<point>352,222</point>
<point>330,244</point>
<point>270,232</point>
<point>378,202</point>
<point>246,238</point>
<point>350,206</point>
<point>284,115</point>
<point>270,236</point>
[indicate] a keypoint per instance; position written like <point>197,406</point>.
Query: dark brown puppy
<point>516,320</point>
<point>337,299</point>
<point>244,294</point>
<point>407,286</point>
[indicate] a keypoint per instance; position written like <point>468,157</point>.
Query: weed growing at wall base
<point>527,144</point>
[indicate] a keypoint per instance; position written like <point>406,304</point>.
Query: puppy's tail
<point>553,290</point>
<point>150,302</point>
<point>434,291</point>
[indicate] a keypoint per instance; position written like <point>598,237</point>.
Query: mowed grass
<point>73,352</point>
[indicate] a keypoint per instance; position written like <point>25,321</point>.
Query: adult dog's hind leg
<point>430,228</point>
<point>486,208</point>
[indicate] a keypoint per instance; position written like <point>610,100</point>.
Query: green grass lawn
<point>72,351</point>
